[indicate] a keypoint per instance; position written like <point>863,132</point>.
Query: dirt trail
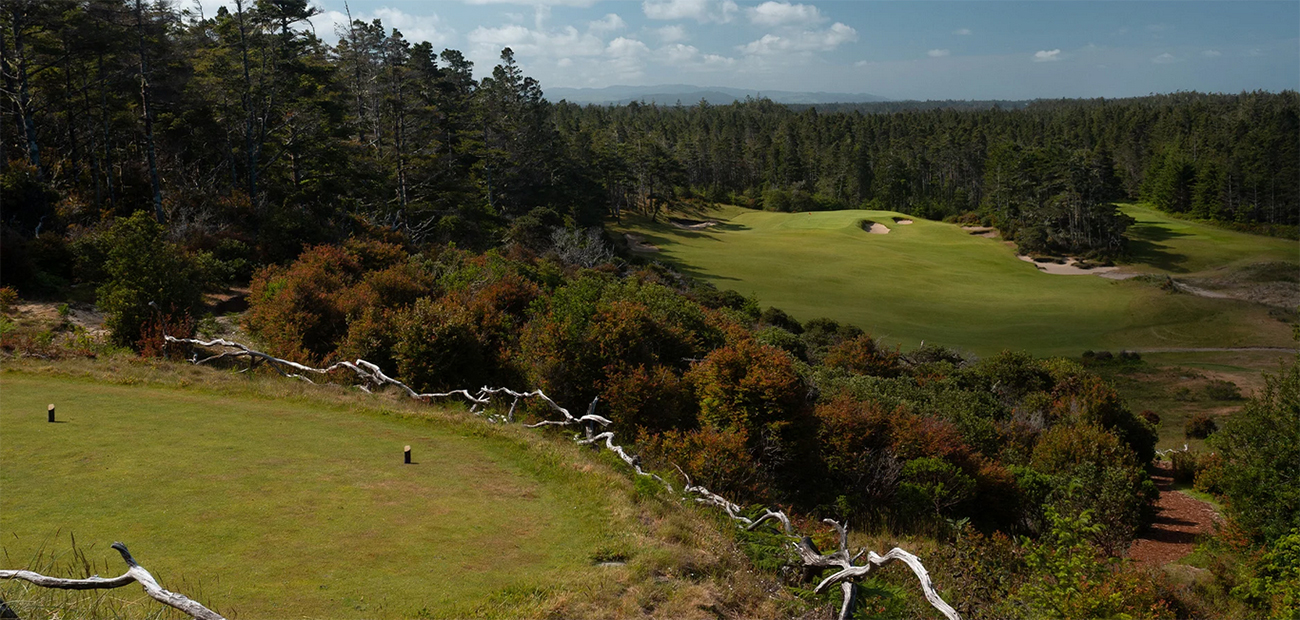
<point>1179,520</point>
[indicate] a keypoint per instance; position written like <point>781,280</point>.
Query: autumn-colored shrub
<point>718,459</point>
<point>916,436</point>
<point>1200,426</point>
<point>1082,397</point>
<point>650,398</point>
<point>753,388</point>
<point>864,355</point>
<point>309,310</point>
<point>854,443</point>
<point>295,309</point>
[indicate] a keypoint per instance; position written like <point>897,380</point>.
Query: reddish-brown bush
<point>864,355</point>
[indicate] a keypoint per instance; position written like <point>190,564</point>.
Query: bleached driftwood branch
<point>134,573</point>
<point>812,558</point>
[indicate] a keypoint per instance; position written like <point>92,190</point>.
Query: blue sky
<point>973,49</point>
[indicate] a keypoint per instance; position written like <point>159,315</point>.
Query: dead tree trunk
<point>134,573</point>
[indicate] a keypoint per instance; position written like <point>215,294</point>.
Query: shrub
<point>752,388</point>
<point>1200,426</point>
<point>1218,389</point>
<point>650,398</point>
<point>1185,465</point>
<point>8,299</point>
<point>1090,469</point>
<point>1150,416</point>
<point>780,338</point>
<point>1275,581</point>
<point>1068,578</point>
<point>854,439</point>
<point>863,355</point>
<point>1260,448</point>
<point>932,487</point>
<point>718,459</point>
<point>144,269</point>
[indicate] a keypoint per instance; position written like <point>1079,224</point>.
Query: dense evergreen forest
<point>243,128</point>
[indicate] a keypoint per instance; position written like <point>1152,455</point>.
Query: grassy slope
<point>934,281</point>
<point>1165,244</point>
<point>265,498</point>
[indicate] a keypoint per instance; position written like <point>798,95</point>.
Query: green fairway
<point>289,508</point>
<point>1158,242</point>
<point>933,281</point>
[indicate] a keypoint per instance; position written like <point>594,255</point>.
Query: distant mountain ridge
<point>670,94</point>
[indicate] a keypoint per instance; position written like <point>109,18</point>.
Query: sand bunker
<point>902,221</point>
<point>1070,268</point>
<point>988,232</point>
<point>692,224</point>
<point>637,243</point>
<point>874,228</point>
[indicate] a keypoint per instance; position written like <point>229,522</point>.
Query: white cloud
<point>862,63</point>
<point>937,53</point>
<point>624,47</point>
<point>1211,53</point>
<point>678,53</point>
<point>565,42</point>
<point>962,31</point>
<point>606,24</point>
<point>1255,53</point>
<point>1165,59</point>
<point>720,11</point>
<point>1047,55</point>
<point>784,14</point>
<point>414,28</point>
<point>675,33</point>
<point>805,41</point>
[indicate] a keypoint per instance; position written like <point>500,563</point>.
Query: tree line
<point>244,127</point>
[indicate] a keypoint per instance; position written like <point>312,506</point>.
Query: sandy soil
<point>988,232</point>
<point>878,229</point>
<point>902,221</point>
<point>637,243</point>
<point>1070,267</point>
<point>1179,520</point>
<point>81,315</point>
<point>692,224</point>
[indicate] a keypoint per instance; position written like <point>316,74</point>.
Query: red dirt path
<point>1179,520</point>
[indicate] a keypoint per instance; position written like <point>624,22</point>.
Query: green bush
<point>1275,581</point>
<point>1186,465</point>
<point>1260,448</point>
<point>143,269</point>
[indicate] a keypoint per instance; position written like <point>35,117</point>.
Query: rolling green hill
<point>937,282</point>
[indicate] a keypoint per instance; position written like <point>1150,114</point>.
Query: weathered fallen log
<point>813,559</point>
<point>134,574</point>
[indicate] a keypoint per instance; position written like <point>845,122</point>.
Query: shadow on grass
<point>1144,247</point>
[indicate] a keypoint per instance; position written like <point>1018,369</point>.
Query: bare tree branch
<point>134,573</point>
